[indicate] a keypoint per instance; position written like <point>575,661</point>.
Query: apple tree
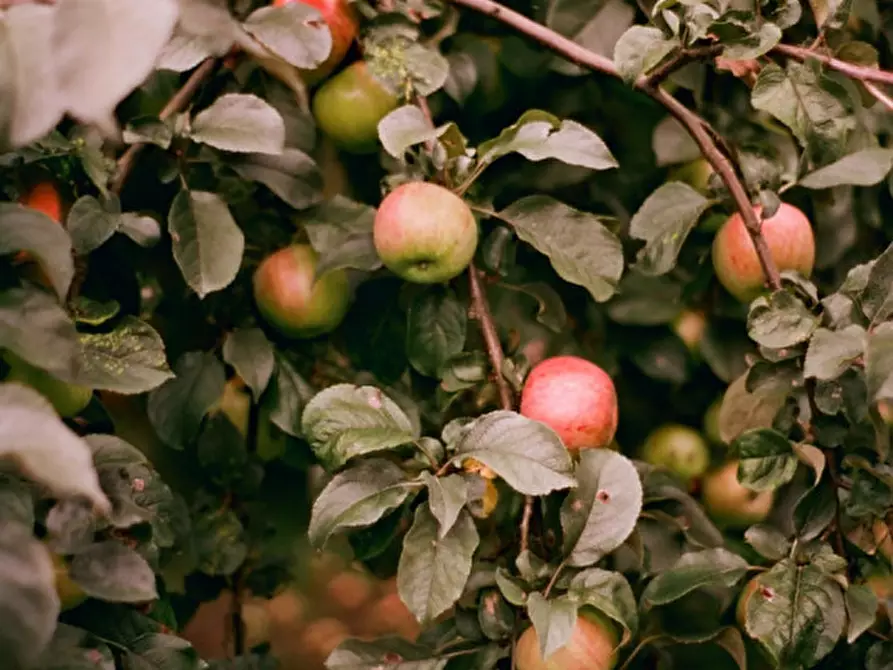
<point>573,318</point>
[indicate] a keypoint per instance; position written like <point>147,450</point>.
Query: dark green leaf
<point>242,123</point>
<point>862,168</point>
<point>437,322</point>
<point>767,459</point>
<point>251,354</point>
<point>340,230</point>
<point>780,320</point>
<point>610,594</point>
<point>830,352</point>
<point>292,175</point>
<point>861,607</point>
<point>554,621</point>
<point>640,49</point>
<point>114,572</point>
<point>91,224</point>
<point>693,571</point>
<point>879,362</point>
<point>360,655</point>
<point>446,498</point>
<point>23,228</point>
<point>295,31</point>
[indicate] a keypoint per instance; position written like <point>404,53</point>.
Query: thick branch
<point>860,72</point>
<point>176,104</point>
<point>696,126</point>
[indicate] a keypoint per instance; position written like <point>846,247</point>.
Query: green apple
<point>293,300</point>
<point>70,594</point>
<point>680,449</point>
<point>731,504</point>
<point>695,173</point>
<point>791,243</point>
<point>592,646</point>
<point>425,233</point>
<point>349,106</point>
<point>69,400</point>
<point>711,422</point>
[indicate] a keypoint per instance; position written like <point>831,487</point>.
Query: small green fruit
<point>293,300</point>
<point>69,400</point>
<point>695,173</point>
<point>349,106</point>
<point>680,449</point>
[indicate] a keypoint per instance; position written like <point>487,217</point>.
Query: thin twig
<point>176,104</point>
<point>852,70</point>
<point>696,126</point>
<point>680,59</point>
<point>881,97</point>
<point>554,578</point>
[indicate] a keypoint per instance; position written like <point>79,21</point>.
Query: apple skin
<point>575,398</point>
<point>341,19</point>
<point>425,233</point>
<point>292,300</point>
<point>680,449</point>
<point>731,504</point>
<point>45,198</point>
<point>592,647</point>
<point>68,400</point>
<point>695,173</point>
<point>70,594</point>
<point>689,326</point>
<point>348,107</point>
<point>789,237</point>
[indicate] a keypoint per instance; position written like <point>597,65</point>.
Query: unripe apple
<point>70,594</point>
<point>680,449</point>
<point>711,422</point>
<point>731,504</point>
<point>235,403</point>
<point>293,300</point>
<point>349,106</point>
<point>791,243</point>
<point>695,173</point>
<point>425,233</point>
<point>689,326</point>
<point>69,400</point>
<point>592,646</point>
<point>341,19</point>
<point>575,398</point>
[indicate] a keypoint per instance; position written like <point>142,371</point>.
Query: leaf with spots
<point>602,511</point>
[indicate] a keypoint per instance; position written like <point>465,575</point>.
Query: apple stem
<point>705,137</point>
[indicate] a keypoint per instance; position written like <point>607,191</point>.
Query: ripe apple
<point>575,398</point>
<point>592,646</point>
<point>425,233</point>
<point>341,19</point>
<point>731,504</point>
<point>293,300</point>
<point>69,400</point>
<point>348,591</point>
<point>791,243</point>
<point>680,449</point>
<point>689,326</point>
<point>320,637</point>
<point>256,622</point>
<point>45,198</point>
<point>695,173</point>
<point>349,106</point>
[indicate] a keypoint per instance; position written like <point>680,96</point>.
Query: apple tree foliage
<point>178,185</point>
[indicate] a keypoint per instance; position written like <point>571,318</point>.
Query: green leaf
<point>91,224</point>
<point>446,498</point>
<point>251,354</point>
<point>286,397</point>
<point>219,542</point>
<point>527,454</point>
<point>580,248</point>
<point>879,362</point>
<point>610,593</point>
<point>767,459</point>
<point>113,572</point>
<point>744,40</point>
<point>694,570</point>
<point>240,122</point>
<point>768,541</point>
<point>75,649</point>
<point>129,359</point>
<point>664,221</point>
<point>292,175</point>
<point>93,313</point>
<point>809,103</point>
<point>861,607</point>
<point>23,228</point>
<point>797,613</point>
<point>177,408</point>
<point>830,352</point>
<point>345,421</point>
<point>296,32</point>
<point>877,295</point>
<point>780,320</point>
<point>436,327</point>
<point>644,300</point>
<point>862,168</point>
<point>355,654</point>
<point>144,230</point>
<point>743,410</point>
<point>29,606</point>
<point>44,448</point>
<point>602,511</point>
<point>511,589</point>
<point>16,501</point>
<point>554,621</point>
<point>163,652</point>
<point>641,48</point>
<point>340,230</point>
<point>35,327</point>
<point>148,130</point>
<point>433,571</point>
<point>207,241</point>
<point>538,135</point>
<point>358,497</point>
<point>405,127</point>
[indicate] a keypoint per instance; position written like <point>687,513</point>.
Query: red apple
<point>575,398</point>
<point>45,198</point>
<point>731,504</point>
<point>791,243</point>
<point>592,646</point>
<point>425,233</point>
<point>293,300</point>
<point>341,19</point>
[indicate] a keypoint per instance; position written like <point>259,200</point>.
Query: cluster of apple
<point>303,625</point>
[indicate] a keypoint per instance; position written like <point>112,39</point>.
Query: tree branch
<point>881,97</point>
<point>176,104</point>
<point>695,125</point>
<point>860,72</point>
<point>680,59</point>
<point>481,312</point>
